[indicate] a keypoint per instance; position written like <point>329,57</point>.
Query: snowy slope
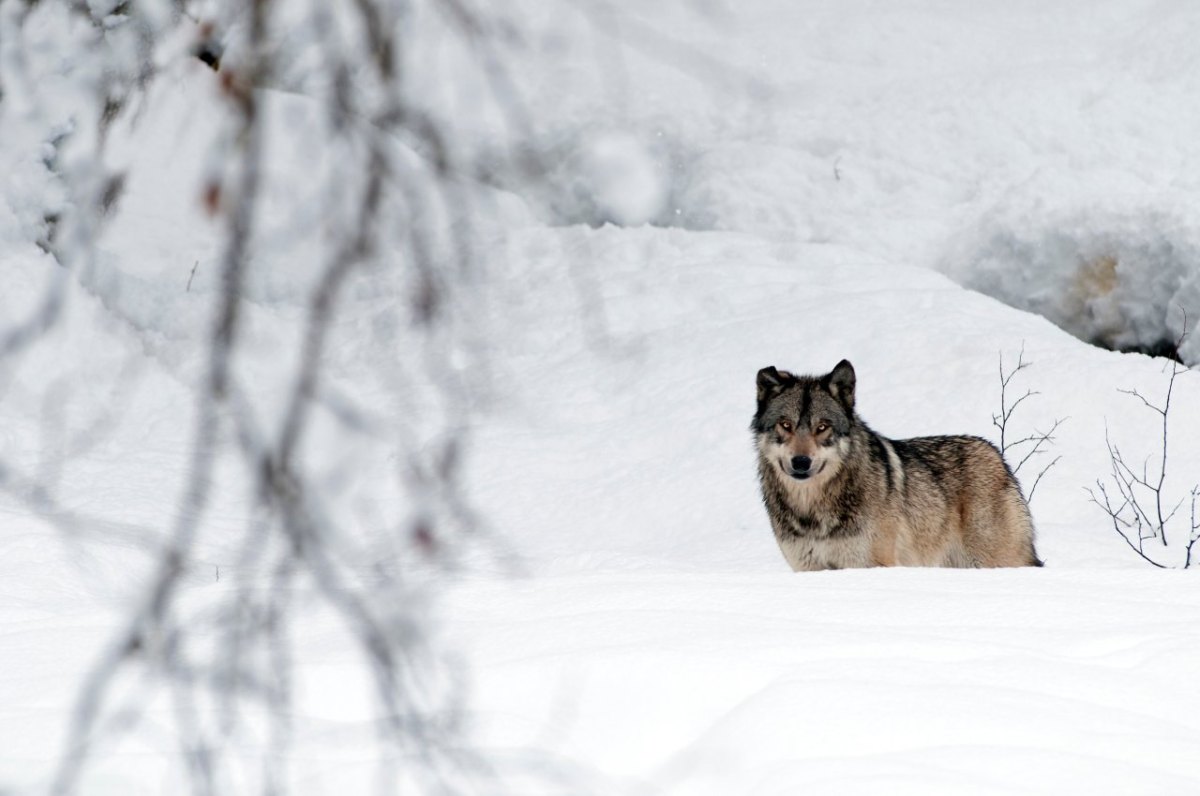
<point>815,171</point>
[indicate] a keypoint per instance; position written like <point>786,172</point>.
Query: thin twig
<point>1114,515</point>
<point>1151,517</point>
<point>1038,440</point>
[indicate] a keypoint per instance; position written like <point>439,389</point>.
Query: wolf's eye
<point>786,425</point>
<point>822,427</point>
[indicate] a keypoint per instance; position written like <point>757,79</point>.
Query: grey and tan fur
<point>839,495</point>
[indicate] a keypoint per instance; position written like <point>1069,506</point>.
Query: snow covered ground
<point>822,178</point>
<point>903,682</point>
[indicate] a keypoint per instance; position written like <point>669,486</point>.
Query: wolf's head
<point>803,423</point>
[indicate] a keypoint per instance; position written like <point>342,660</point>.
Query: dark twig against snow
<point>1031,445</point>
<point>1195,523</point>
<point>1144,512</point>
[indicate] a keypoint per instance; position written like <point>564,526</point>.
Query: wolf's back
<point>963,484</point>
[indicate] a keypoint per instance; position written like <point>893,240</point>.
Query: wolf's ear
<point>770,380</point>
<point>841,382</point>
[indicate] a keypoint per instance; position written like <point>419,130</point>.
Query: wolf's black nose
<point>801,463</point>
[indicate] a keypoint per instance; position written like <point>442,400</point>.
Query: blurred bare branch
<point>294,539</point>
<point>397,219</point>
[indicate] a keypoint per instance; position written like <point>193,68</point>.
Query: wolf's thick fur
<point>839,495</point>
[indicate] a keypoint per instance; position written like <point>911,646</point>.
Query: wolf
<point>839,495</point>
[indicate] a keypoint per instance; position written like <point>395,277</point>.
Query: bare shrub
<point>1135,498</point>
<point>1031,446</point>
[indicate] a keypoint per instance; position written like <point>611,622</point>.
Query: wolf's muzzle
<point>801,467</point>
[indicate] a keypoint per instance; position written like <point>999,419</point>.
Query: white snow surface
<point>822,179</point>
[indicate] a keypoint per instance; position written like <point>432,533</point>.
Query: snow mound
<point>626,182</point>
<point>1120,272</point>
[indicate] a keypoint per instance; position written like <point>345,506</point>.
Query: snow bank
<point>1120,270</point>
